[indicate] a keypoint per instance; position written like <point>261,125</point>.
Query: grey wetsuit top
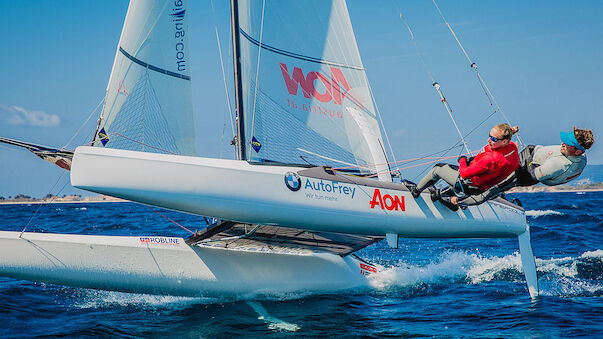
<point>554,168</point>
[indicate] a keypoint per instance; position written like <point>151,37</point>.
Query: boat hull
<point>284,196</point>
<point>162,265</point>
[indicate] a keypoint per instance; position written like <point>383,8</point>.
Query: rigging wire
<point>147,206</point>
<point>228,103</point>
<point>257,75</point>
<point>384,130</point>
<point>45,203</point>
<point>473,65</point>
<point>85,122</point>
<point>457,144</point>
<point>435,84</point>
<point>133,140</point>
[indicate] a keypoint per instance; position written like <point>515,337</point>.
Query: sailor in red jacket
<point>492,164</point>
<point>497,160</point>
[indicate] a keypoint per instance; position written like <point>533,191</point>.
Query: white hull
<point>257,194</point>
<point>312,200</point>
<point>169,266</point>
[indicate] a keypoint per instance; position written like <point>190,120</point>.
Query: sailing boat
<point>310,187</point>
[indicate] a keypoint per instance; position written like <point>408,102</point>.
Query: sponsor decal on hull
<point>366,269</point>
<point>327,190</point>
<point>330,187</point>
<point>159,241</point>
<point>292,181</point>
<point>318,189</point>
<point>387,201</point>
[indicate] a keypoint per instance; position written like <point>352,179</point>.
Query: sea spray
<point>539,213</point>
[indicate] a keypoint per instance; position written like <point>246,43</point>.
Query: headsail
<point>312,102</point>
<point>148,105</point>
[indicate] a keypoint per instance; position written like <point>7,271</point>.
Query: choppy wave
<point>540,213</point>
<point>575,274</point>
<point>87,298</point>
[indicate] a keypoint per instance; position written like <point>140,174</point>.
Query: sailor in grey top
<point>551,167</point>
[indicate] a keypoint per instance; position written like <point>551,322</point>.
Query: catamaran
<point>310,187</point>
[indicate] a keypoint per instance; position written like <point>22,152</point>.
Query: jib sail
<point>148,105</point>
<point>306,96</point>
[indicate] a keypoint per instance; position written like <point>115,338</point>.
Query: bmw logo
<point>292,181</point>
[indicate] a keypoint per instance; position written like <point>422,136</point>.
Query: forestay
<point>312,103</point>
<point>148,103</point>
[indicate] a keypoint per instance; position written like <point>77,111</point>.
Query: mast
<point>234,7</point>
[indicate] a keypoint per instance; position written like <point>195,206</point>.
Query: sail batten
<point>298,56</point>
<point>153,68</point>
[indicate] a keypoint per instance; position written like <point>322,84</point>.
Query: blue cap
<point>569,139</point>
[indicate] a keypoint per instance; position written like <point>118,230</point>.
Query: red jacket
<point>490,166</point>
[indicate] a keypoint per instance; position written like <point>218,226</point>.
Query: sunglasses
<point>495,139</point>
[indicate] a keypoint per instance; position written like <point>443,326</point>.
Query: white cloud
<point>15,115</point>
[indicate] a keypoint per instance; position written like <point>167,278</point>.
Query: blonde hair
<point>507,130</point>
<point>584,137</point>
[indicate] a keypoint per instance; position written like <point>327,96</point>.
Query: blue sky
<point>541,59</point>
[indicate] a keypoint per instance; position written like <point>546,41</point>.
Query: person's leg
<point>476,199</point>
<point>446,172</point>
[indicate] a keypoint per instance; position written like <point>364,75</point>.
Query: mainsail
<point>305,93</point>
<point>148,105</point>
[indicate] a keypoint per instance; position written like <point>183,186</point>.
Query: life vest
<point>490,166</point>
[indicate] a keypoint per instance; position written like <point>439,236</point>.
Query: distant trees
<point>22,196</point>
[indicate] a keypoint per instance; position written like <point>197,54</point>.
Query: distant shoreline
<point>598,187</point>
<point>62,200</point>
<point>38,202</point>
<point>512,191</point>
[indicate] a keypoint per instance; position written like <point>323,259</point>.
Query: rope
<point>436,85</point>
<point>479,77</point>
<point>85,122</point>
<point>457,143</point>
<point>257,75</point>
<point>412,38</point>
<point>147,206</point>
<point>42,204</point>
<point>403,161</point>
<point>222,66</point>
<point>381,121</point>
<point>449,110</point>
<point>398,162</point>
<point>136,141</point>
<point>425,163</point>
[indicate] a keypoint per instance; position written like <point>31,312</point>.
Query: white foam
<point>540,213</point>
<point>564,286</point>
<point>593,254</point>
<point>485,269</point>
<point>99,299</point>
<point>473,267</point>
<point>450,265</point>
<point>563,267</point>
<point>273,323</point>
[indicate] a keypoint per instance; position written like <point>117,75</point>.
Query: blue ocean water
<point>427,288</point>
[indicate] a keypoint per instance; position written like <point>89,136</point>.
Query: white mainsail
<point>148,106</point>
<point>306,96</point>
